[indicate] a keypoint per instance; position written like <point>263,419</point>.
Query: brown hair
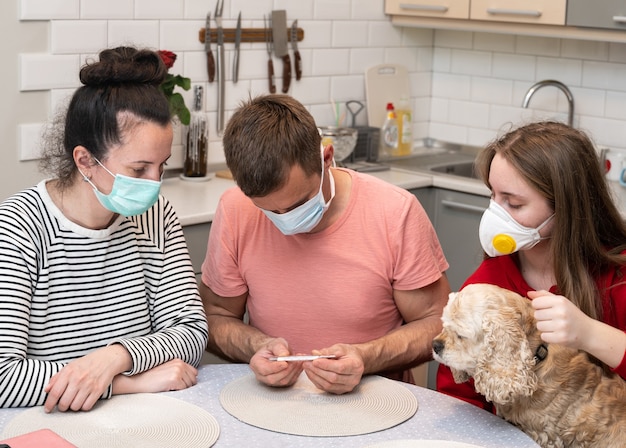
<point>265,137</point>
<point>561,163</point>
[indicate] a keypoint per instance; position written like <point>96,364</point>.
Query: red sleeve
<point>621,368</point>
<point>463,391</point>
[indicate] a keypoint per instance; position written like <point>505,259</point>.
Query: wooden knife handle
<point>210,65</point>
<point>297,62</point>
<point>270,72</point>
<point>286,73</point>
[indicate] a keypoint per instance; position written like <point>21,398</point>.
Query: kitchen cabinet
<point>571,19</point>
<point>546,12</point>
<point>426,197</point>
<point>609,14</point>
<point>449,9</point>
<point>197,237</point>
<point>457,217</point>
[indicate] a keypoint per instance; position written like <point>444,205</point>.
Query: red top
<point>504,272</point>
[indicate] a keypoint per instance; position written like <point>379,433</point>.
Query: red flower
<point>168,58</point>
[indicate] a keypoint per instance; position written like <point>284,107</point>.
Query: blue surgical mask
<point>129,196</point>
<point>305,217</point>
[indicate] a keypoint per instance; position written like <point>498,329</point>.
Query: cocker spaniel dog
<point>553,393</point>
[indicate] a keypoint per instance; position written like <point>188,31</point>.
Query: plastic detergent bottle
<point>389,133</point>
<point>405,127</point>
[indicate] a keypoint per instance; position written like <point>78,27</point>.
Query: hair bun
<point>124,65</point>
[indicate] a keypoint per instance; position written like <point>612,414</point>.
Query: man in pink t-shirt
<point>324,260</point>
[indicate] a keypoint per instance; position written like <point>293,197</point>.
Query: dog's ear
<point>504,371</point>
<point>459,376</point>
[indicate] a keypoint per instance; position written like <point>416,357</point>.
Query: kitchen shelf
<point>247,34</point>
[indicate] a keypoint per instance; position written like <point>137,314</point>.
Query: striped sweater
<point>66,290</point>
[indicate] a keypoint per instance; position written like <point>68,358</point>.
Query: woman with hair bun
<point>98,293</point>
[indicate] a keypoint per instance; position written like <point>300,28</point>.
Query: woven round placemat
<point>376,404</point>
<point>136,420</point>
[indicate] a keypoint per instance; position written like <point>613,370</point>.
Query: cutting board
<point>385,83</point>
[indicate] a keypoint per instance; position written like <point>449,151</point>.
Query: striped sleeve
<point>179,323</point>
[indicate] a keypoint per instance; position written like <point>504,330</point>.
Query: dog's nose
<point>438,346</point>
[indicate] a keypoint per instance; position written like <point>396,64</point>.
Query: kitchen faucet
<point>557,84</point>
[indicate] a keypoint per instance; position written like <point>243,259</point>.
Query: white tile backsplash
<point>466,87</point>
<point>109,9</point>
<point>351,34</point>
<point>568,71</point>
<point>48,9</point>
<point>140,33</point>
<point>332,9</point>
<point>330,61</point>
<point>42,71</point>
<point>469,62</point>
<point>539,46</point>
<point>581,49</point>
<point>514,66</point>
<point>491,91</point>
<point>159,9</point>
<point>604,75</point>
<point>615,105</point>
<point>29,140</point>
<point>181,35</point>
<point>78,36</point>
<point>486,42</point>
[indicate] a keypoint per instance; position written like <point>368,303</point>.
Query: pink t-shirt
<point>330,287</point>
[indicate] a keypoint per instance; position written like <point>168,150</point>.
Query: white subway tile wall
<point>480,80</point>
<point>466,87</point>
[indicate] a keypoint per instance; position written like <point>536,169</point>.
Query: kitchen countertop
<point>196,202</point>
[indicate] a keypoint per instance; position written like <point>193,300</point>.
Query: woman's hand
<point>81,383</point>
<point>337,376</point>
<point>275,373</point>
<point>171,375</point>
<point>559,320</point>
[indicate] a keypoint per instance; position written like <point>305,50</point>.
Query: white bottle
<point>389,133</point>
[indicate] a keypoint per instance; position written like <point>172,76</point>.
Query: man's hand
<point>337,376</point>
<point>275,373</point>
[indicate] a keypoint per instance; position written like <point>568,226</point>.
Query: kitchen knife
<point>297,60</point>
<point>270,62</point>
<point>236,55</point>
<point>210,62</point>
<point>279,36</point>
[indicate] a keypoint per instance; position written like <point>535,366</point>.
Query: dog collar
<point>541,353</point>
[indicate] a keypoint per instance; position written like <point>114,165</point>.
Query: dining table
<point>439,418</point>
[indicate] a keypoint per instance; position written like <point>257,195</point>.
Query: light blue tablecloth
<point>438,417</point>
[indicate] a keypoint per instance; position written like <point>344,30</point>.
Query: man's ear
<point>83,160</point>
<point>329,154</point>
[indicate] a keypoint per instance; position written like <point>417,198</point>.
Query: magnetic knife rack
<point>247,34</point>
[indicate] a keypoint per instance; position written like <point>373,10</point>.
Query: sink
<point>462,169</point>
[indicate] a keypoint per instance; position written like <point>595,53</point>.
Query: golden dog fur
<point>564,400</point>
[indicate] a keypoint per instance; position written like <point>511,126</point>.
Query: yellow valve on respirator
<point>504,244</point>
